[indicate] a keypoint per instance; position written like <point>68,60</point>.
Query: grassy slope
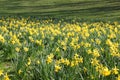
<point>106,9</point>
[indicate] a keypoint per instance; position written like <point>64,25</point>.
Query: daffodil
<point>1,72</point>
<point>17,49</point>
<point>94,61</point>
<point>29,61</point>
<point>26,49</point>
<point>6,77</point>
<point>118,78</point>
<point>49,58</point>
<point>106,71</point>
<point>57,68</point>
<point>19,71</point>
<point>2,39</point>
<point>115,70</point>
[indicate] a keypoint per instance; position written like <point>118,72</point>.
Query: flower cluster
<point>33,49</point>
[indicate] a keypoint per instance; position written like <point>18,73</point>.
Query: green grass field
<point>82,9</point>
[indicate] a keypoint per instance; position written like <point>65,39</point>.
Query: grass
<point>45,47</point>
<point>82,9</point>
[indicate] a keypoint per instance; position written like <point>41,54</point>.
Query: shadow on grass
<point>80,12</point>
<point>56,5</point>
<point>89,12</point>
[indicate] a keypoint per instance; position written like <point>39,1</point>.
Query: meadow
<point>59,40</point>
<point>34,49</point>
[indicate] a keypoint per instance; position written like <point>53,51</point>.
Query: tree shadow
<point>92,11</point>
